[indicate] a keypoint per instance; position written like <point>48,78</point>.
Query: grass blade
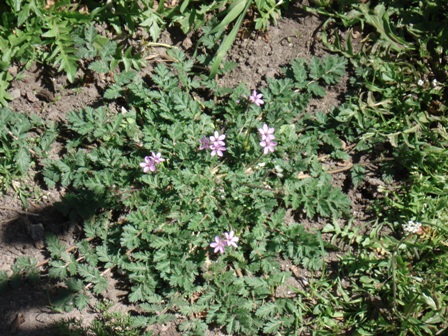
<point>228,41</point>
<point>234,10</point>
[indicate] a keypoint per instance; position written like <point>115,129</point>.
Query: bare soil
<point>25,306</point>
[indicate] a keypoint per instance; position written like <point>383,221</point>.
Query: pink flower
<point>217,150</point>
<point>157,157</point>
<point>218,245</point>
<point>217,146</point>
<point>218,139</point>
<point>267,137</point>
<point>267,133</point>
<point>148,165</point>
<point>230,239</point>
<point>256,98</point>
<point>151,161</point>
<point>204,143</point>
<point>268,146</point>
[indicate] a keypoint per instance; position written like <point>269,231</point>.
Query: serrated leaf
<point>272,326</point>
<point>332,139</point>
<point>81,301</point>
<point>136,267</point>
<point>160,242</point>
<point>58,269</point>
<point>256,282</point>
<point>101,285</point>
<point>341,155</point>
<point>136,294</point>
<point>54,245</point>
<point>108,50</point>
<point>64,301</point>
<point>74,285</point>
<point>281,87</point>
<point>164,266</point>
<point>316,89</point>
<point>321,117</point>
<point>113,92</point>
<point>266,310</point>
<point>89,273</point>
<point>23,159</point>
<point>102,253</point>
<point>68,63</point>
<point>329,69</point>
<point>334,68</point>
<point>154,22</point>
<point>357,174</point>
<point>181,101</point>
<point>125,77</point>
<point>99,67</point>
<point>141,321</point>
<point>300,73</point>
<point>130,237</point>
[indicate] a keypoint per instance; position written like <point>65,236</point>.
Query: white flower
<point>230,239</point>
<point>434,82</point>
<point>420,82</point>
<point>412,227</point>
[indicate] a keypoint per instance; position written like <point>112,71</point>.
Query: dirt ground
<point>25,307</point>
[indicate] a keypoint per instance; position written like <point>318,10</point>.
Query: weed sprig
<point>196,238</point>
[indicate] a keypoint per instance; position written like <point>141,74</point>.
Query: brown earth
<point>25,306</point>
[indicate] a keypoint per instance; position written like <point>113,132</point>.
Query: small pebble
<point>13,70</point>
<point>15,93</point>
<point>31,97</point>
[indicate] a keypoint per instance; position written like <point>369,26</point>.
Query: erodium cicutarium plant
<point>185,197</point>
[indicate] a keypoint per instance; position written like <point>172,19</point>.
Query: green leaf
<point>101,285</point>
<point>16,5</point>
<point>108,49</point>
<point>130,237</point>
<point>316,89</point>
<point>267,310</point>
<point>114,91</point>
<point>272,326</point>
<point>103,254</point>
<point>136,294</point>
<point>99,67</point>
<point>300,73</point>
<point>74,285</point>
<point>380,19</point>
<point>160,242</point>
<point>429,300</point>
<point>58,269</point>
<point>81,301</point>
<point>357,174</point>
<point>228,41</point>
<point>256,283</point>
<point>154,22</point>
<point>88,272</point>
<point>281,87</point>
<point>54,246</point>
<point>68,63</point>
<point>236,8</point>
<point>23,159</point>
